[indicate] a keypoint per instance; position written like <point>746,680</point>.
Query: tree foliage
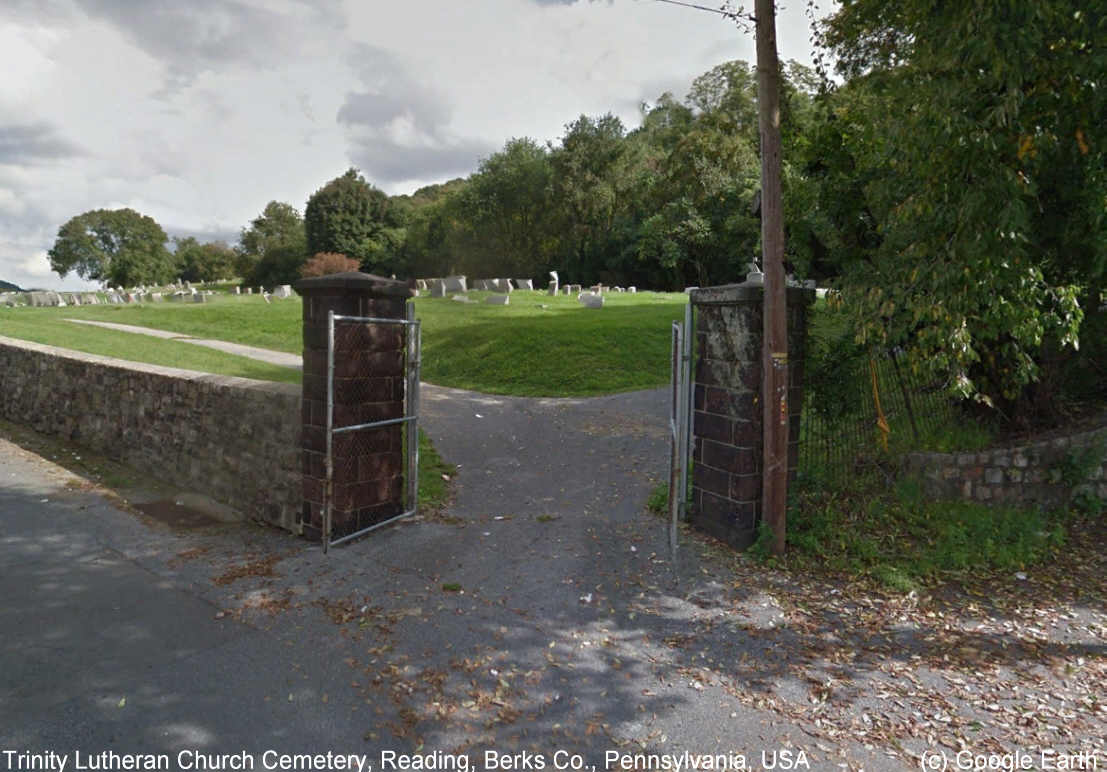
<point>970,143</point>
<point>326,263</point>
<point>210,261</point>
<point>273,247</point>
<point>116,246</point>
<point>351,217</point>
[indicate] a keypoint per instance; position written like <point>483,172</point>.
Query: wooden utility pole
<point>774,360</point>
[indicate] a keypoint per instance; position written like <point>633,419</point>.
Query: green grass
<point>48,326</point>
<point>896,536</point>
<point>536,346</point>
<point>434,490</point>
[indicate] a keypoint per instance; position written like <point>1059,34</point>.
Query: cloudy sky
<point>199,112</point>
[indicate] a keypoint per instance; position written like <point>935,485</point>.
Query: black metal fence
<point>861,408</point>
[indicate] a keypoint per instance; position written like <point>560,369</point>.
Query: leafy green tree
<point>350,216</point>
<point>507,206</point>
<point>116,246</point>
<point>587,181</point>
<point>210,261</point>
<point>975,133</point>
<point>272,249</point>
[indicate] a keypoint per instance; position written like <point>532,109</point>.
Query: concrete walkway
<point>280,358</point>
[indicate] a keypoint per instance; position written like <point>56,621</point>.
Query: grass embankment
<point>49,327</point>
<point>536,346</point>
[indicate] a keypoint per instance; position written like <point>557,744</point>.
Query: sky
<point>199,112</point>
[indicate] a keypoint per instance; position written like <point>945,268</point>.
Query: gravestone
<point>437,288</point>
<point>283,291</point>
<point>249,290</point>
<point>237,290</point>
<point>454,283</point>
<point>460,298</point>
<point>632,289</point>
<point>524,284</point>
<point>498,300</point>
<point>591,300</point>
<point>199,297</point>
<point>552,288</point>
<point>421,284</point>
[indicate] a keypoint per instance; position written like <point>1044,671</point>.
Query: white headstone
<point>437,288</point>
<point>454,283</point>
<point>283,291</point>
<point>498,300</point>
<point>524,284</point>
<point>591,300</point>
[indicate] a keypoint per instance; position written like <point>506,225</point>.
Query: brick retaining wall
<point>1028,474</point>
<point>234,439</point>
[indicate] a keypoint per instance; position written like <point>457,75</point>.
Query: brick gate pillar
<point>726,428</point>
<point>368,386</point>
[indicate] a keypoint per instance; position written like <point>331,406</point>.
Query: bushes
<point>326,263</point>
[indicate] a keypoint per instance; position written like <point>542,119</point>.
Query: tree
<point>279,228</point>
<point>116,246</point>
<point>203,262</point>
<point>508,206</point>
<point>586,187</point>
<point>350,216</point>
<point>272,249</point>
<point>979,133</point>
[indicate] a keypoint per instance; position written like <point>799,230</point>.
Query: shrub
<point>326,263</point>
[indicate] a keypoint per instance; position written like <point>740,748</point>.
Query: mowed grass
<point>536,346</point>
<point>49,327</point>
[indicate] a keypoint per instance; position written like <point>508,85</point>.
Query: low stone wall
<point>1048,473</point>
<point>234,439</point>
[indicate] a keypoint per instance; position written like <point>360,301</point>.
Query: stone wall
<point>234,439</point>
<point>1049,472</point>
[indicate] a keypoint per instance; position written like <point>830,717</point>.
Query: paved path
<point>539,613</point>
<point>262,354</point>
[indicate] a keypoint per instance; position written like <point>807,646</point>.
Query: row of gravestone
<point>112,296</point>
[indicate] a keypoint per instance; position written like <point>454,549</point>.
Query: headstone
<point>249,290</point>
<point>421,284</point>
<point>199,297</point>
<point>553,287</point>
<point>524,284</point>
<point>591,300</point>
<point>461,298</point>
<point>283,291</point>
<point>632,289</point>
<point>265,296</point>
<point>437,288</point>
<point>237,290</point>
<point>156,297</point>
<point>454,283</point>
<point>498,300</point>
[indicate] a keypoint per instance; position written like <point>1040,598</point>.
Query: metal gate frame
<point>413,361</point>
<point>680,422</point>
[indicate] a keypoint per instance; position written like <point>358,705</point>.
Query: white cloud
<point>200,113</point>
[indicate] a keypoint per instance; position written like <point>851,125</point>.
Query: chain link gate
<point>680,423</point>
<point>409,420</point>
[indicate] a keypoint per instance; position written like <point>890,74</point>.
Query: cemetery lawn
<point>538,346</point>
<point>48,326</point>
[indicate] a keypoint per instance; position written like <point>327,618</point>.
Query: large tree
<point>207,261</point>
<point>115,246</point>
<point>977,130</point>
<point>354,218</point>
<point>273,247</point>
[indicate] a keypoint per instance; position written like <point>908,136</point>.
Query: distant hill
<point>6,286</point>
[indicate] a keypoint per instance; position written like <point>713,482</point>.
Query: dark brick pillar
<point>368,386</point>
<point>726,427</point>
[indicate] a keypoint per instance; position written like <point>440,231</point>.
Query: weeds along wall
<point>1062,471</point>
<point>234,439</point>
